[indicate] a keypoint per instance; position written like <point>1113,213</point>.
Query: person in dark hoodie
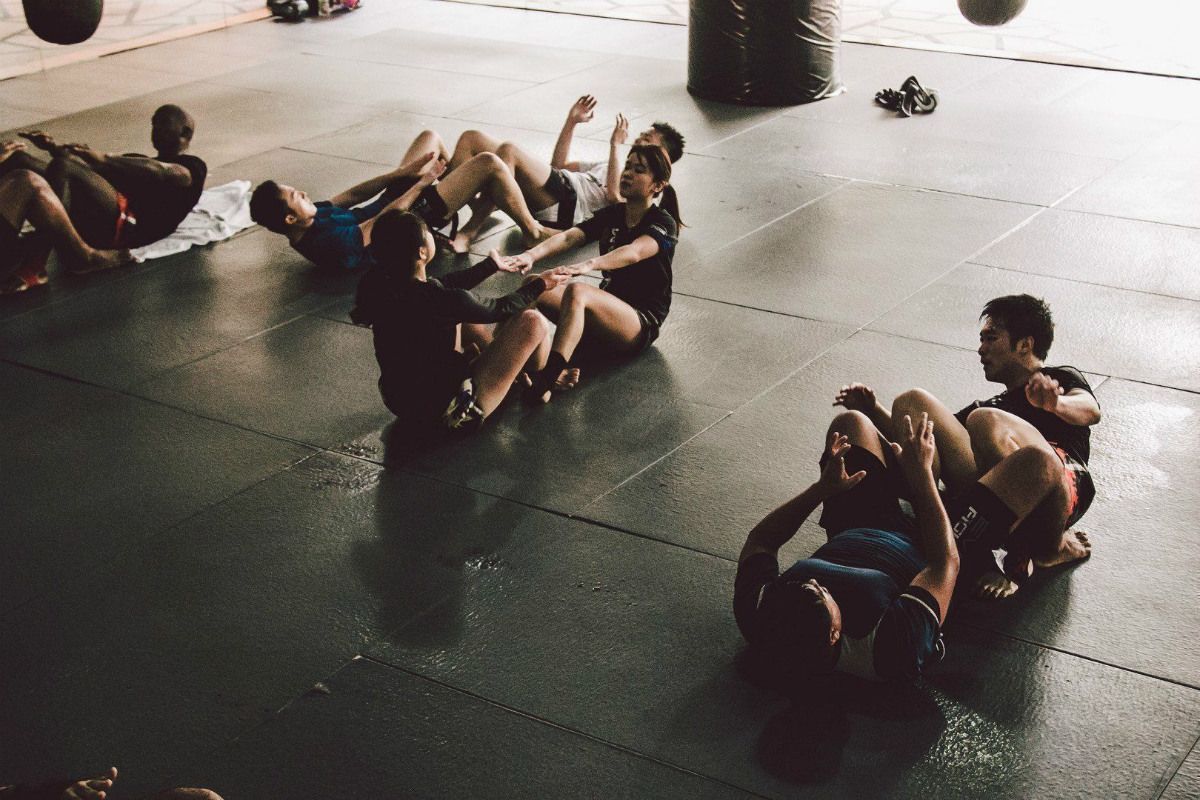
<point>426,377</point>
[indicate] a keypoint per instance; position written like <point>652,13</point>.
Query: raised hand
<point>432,169</point>
<point>88,154</point>
<point>8,148</point>
<point>620,131</point>
<point>856,397</point>
<point>583,110</point>
<point>1043,392</point>
<point>916,449</point>
<point>834,479</point>
<point>519,263</point>
<point>41,140</point>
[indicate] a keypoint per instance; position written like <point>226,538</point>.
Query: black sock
<point>556,362</point>
<point>980,518</point>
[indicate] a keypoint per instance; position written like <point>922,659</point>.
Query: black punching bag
<point>63,21</point>
<point>990,12</point>
<point>764,52</point>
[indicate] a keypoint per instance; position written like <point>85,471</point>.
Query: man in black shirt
<point>122,201</point>
<point>1043,408</point>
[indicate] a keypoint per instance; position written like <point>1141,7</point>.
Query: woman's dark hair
<point>659,164</point>
<point>1023,315</point>
<point>395,240</point>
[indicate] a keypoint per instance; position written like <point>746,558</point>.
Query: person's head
<point>281,208</point>
<point>401,243</point>
<point>171,130</point>
<point>800,622</point>
<point>665,136</point>
<point>1015,336</point>
<point>647,175</point>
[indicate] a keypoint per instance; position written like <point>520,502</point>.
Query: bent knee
<point>851,421</point>
<point>986,420</point>
<point>26,179</point>
<point>916,398</point>
<point>534,321</point>
<point>490,161</point>
<point>1039,464</point>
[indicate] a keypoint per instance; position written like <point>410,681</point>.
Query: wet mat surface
<point>208,511</point>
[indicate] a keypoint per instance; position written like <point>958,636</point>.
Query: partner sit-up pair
<point>482,172</point>
<point>871,601</point>
<point>89,206</point>
<point>440,359</point>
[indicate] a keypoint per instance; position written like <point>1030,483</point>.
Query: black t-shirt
<point>890,630</point>
<point>413,323</point>
<point>158,206</point>
<point>645,285</point>
<point>1074,439</point>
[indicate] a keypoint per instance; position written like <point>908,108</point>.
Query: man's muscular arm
<point>1077,407</point>
<point>123,169</point>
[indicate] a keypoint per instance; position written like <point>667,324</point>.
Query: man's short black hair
<point>672,140</point>
<point>172,112</point>
<point>792,624</point>
<point>1022,315</point>
<point>268,208</point>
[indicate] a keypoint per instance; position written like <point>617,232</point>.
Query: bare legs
<point>486,174</point>
<point>25,195</point>
<point>531,175</point>
<point>514,342</point>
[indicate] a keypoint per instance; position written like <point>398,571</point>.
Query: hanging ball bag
<point>990,12</point>
<point>63,21</point>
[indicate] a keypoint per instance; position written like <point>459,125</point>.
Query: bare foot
<point>1073,547</point>
<point>101,260</point>
<point>992,585</point>
<point>539,234</point>
<point>461,243</point>
<point>567,379</point>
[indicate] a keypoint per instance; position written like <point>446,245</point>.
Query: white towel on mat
<point>221,212</point>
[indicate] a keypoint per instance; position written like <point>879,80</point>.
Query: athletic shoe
<point>463,414</point>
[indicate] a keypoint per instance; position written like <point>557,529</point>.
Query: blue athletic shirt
<point>334,240</point>
<point>890,629</point>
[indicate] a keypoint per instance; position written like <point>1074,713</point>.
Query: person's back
<point>158,206</point>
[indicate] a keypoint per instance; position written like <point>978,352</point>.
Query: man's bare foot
<point>993,585</point>
<point>1074,546</point>
<point>461,242</point>
<point>540,234</point>
<point>101,260</point>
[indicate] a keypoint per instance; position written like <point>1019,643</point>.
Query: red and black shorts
<point>1080,488</point>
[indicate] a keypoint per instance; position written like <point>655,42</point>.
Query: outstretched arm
<point>558,243</point>
<point>581,111</point>
<point>638,250</point>
<point>937,538</point>
<point>124,169</point>
<point>362,192</point>
<point>778,528</point>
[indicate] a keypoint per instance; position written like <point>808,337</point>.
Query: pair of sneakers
<point>911,98</point>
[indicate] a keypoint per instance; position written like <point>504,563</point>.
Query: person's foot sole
<point>1075,547</point>
<point>993,585</point>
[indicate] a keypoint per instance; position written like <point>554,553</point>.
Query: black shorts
<point>874,502</point>
<point>598,349</point>
<point>649,333</point>
<point>10,248</point>
<point>561,190</point>
<point>423,400</point>
<point>432,208</point>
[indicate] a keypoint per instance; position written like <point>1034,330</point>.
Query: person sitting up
<point>871,600</point>
<point>637,243</point>
<point>563,192</point>
<point>119,201</point>
<point>25,195</point>
<point>1050,408</point>
<point>334,234</point>
<point>425,376</point>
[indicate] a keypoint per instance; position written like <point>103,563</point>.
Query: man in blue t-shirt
<point>1046,410</point>
<point>335,233</point>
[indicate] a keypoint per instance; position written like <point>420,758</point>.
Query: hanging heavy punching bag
<point>764,52</point>
<point>63,21</point>
<point>990,12</point>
